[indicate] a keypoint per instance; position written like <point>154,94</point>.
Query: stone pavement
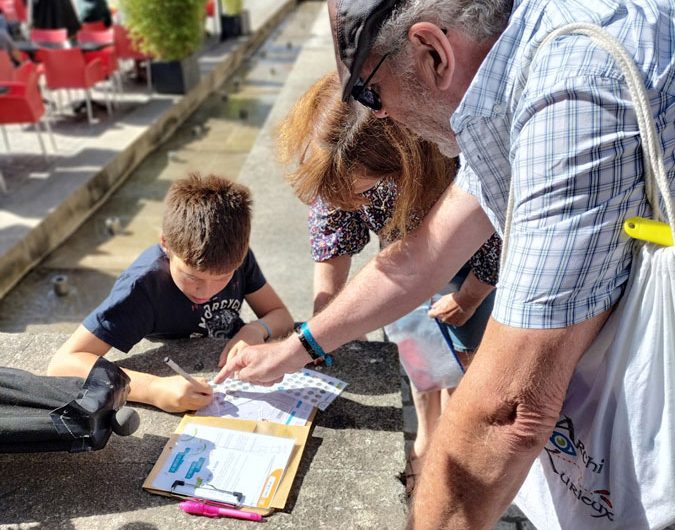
<point>346,480</point>
<point>357,448</point>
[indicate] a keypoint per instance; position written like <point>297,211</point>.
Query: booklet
<point>243,463</point>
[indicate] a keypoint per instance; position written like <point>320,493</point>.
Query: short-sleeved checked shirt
<point>566,133</point>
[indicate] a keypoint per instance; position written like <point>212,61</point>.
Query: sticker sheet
<point>291,401</point>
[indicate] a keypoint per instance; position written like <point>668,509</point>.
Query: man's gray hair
<point>479,19</point>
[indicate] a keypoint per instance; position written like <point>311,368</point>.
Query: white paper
<point>214,462</point>
<point>279,407</point>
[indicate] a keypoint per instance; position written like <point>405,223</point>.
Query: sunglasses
<point>365,95</point>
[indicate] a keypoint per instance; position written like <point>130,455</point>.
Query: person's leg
<point>428,410</point>
<point>445,397</point>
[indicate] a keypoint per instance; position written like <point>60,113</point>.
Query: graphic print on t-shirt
<point>220,318</point>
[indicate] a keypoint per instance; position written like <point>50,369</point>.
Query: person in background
<point>362,174</point>
<point>6,41</point>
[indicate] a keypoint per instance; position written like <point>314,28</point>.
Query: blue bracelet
<point>265,327</point>
<point>313,348</point>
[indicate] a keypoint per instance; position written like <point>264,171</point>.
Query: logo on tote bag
<point>565,447</point>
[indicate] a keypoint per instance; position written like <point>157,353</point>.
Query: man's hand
<point>248,335</point>
<point>265,364</point>
<point>176,394</point>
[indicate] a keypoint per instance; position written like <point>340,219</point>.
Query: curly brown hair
<point>207,222</point>
<point>328,142</point>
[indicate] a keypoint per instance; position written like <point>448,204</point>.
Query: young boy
<point>191,284</point>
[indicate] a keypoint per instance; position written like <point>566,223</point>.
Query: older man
<point>559,133</point>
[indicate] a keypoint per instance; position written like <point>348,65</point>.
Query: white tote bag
<point>610,461</point>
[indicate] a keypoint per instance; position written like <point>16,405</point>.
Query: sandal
<point>408,476</point>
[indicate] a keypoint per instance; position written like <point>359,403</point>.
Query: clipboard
<point>278,501</point>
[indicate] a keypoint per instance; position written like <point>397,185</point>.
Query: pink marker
<point>207,510</point>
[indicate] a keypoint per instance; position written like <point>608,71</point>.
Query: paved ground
<point>358,444</point>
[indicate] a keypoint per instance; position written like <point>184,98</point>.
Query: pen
<point>180,371</point>
<point>207,510</point>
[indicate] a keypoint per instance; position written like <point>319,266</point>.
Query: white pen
<point>183,373</point>
<point>180,371</point>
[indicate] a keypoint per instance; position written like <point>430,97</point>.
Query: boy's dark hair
<point>207,222</point>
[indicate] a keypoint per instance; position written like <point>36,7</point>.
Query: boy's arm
<point>172,394</point>
<point>269,308</point>
<point>78,354</point>
<point>458,307</point>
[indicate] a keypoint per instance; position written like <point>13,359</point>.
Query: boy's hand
<point>248,335</point>
<point>451,310</point>
<point>265,364</point>
<point>176,394</point>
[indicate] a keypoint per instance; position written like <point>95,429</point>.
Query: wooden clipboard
<point>299,433</point>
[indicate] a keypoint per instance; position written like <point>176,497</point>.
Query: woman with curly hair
<point>359,174</point>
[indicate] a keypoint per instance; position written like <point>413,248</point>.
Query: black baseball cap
<point>355,26</point>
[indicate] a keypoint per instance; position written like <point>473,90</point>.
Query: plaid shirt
<point>566,135</point>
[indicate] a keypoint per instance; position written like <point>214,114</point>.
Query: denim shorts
<point>466,338</point>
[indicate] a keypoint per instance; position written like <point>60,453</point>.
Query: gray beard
<point>425,118</point>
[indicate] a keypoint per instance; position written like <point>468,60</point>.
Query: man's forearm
<point>497,422</point>
<point>407,272</point>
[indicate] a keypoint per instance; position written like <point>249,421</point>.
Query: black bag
<point>41,413</point>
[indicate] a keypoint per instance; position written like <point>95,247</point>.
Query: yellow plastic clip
<point>649,230</point>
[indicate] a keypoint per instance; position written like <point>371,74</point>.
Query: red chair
<point>6,67</point>
<point>22,103</point>
<point>21,12</point>
<point>107,54</point>
<point>126,50</point>
<point>9,10</point>
<point>50,38</point>
<point>99,25</point>
<point>67,69</point>
<point>8,72</point>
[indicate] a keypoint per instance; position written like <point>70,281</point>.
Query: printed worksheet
<point>291,401</point>
<point>252,404</point>
<point>225,465</point>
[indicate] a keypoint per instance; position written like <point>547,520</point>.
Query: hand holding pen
<point>182,392</point>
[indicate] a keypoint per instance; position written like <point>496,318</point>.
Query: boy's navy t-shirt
<point>145,303</point>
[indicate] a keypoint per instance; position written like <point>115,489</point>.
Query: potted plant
<point>230,19</point>
<point>171,31</point>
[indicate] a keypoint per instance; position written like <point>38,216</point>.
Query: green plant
<point>168,30</point>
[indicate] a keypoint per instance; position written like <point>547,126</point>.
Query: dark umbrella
<point>55,14</point>
<point>40,413</point>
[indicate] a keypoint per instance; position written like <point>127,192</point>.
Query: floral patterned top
<point>334,232</point>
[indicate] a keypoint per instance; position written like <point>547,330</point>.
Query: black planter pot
<point>230,26</point>
<point>175,77</point>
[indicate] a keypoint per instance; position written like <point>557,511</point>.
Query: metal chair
<point>127,50</point>
<point>8,72</point>
<point>50,38</point>
<point>107,54</point>
<point>66,69</point>
<point>21,102</point>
